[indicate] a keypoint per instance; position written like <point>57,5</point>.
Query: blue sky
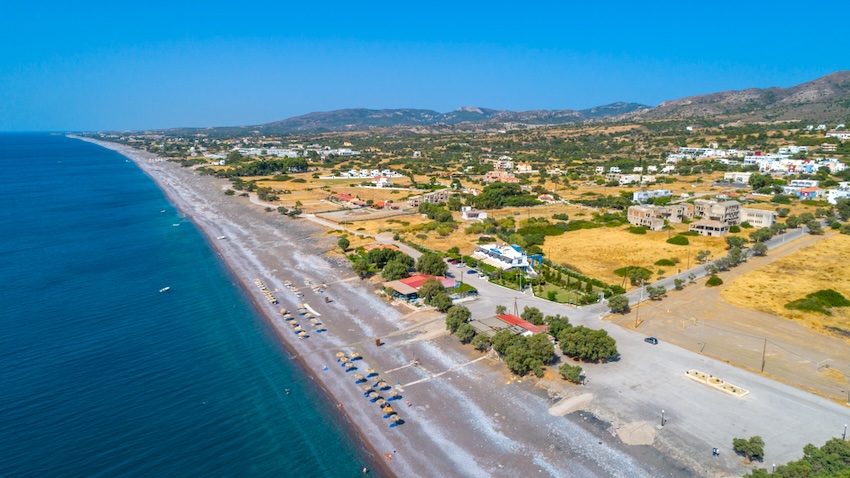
<point>134,65</point>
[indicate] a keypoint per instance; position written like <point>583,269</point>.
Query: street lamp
<point>662,418</point>
<point>844,437</point>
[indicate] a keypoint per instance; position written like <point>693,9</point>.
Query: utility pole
<point>637,309</point>
<point>763,352</point>
<point>516,309</point>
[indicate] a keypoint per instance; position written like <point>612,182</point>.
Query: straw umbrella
<point>370,371</point>
<point>366,388</point>
<point>381,402</point>
<point>373,396</point>
<point>314,320</point>
<point>395,418</point>
<point>302,334</point>
<point>359,377</point>
<point>354,355</point>
<point>340,355</point>
<point>298,328</point>
<point>388,410</point>
<point>381,384</point>
<point>393,394</point>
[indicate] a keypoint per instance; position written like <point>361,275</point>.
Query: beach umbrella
<point>355,355</point>
<point>314,320</point>
<point>298,329</point>
<point>381,402</point>
<point>366,388</point>
<point>381,384</point>
<point>293,324</point>
<point>388,410</point>
<point>393,393</point>
<point>370,371</point>
<point>282,311</point>
<point>302,334</point>
<point>317,326</point>
<point>373,395</point>
<point>395,418</point>
<point>340,354</point>
<point>359,377</point>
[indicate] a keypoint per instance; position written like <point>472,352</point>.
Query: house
<point>727,212</point>
<point>546,198</point>
<point>433,197</point>
<point>382,181</point>
<point>524,168</point>
<point>502,257</point>
<point>600,169</point>
<point>467,213</point>
<point>527,327</point>
<point>380,205</point>
<point>828,147</point>
<point>708,227</point>
<point>811,193</point>
<point>804,183</point>
<point>740,178</point>
<point>841,192</point>
<point>408,288</point>
<point>342,198</point>
<point>758,217</point>
<point>644,196</point>
<point>500,176</point>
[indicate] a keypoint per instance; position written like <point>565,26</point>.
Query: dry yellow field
<point>598,252</point>
<point>821,266</point>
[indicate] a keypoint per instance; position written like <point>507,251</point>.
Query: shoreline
<point>374,464</point>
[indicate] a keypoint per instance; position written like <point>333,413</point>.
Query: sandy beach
<point>463,414</point>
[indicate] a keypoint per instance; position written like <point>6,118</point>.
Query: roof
<point>418,280</point>
<point>514,320</point>
<point>400,287</point>
<point>343,196</point>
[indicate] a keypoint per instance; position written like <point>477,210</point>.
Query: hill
<point>824,99</point>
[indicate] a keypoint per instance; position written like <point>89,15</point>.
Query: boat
<point>165,289</point>
<point>221,237</point>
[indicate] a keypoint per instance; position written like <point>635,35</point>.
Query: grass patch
<point>679,240</point>
<point>578,224</point>
<point>637,230</point>
<point>820,302</point>
<point>665,263</point>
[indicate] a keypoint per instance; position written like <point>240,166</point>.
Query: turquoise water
<point>103,375</point>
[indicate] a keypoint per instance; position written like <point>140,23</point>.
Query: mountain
<point>826,98</point>
<point>359,119</point>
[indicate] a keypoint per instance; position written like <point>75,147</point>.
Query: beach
<point>471,420</point>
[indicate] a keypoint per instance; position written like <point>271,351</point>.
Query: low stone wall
<point>716,383</point>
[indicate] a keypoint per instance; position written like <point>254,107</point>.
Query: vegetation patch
<point>637,230</point>
<point>820,302</point>
<point>665,263</point>
<point>626,271</point>
<point>679,240</point>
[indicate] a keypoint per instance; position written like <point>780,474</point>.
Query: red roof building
<point>511,319</point>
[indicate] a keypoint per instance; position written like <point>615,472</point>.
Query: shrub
<point>570,373</point>
<point>637,230</point>
<point>679,240</point>
<point>713,281</point>
<point>752,448</point>
<point>689,233</point>
<point>665,263</point>
<point>734,229</point>
<point>481,342</point>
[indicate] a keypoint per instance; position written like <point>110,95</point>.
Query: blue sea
<point>101,374</point>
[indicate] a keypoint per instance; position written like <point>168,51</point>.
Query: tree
<point>432,264</point>
<point>557,324</point>
<point>815,228</point>
<point>752,448</point>
<point>541,348</point>
<point>343,243</point>
<point>842,206</point>
<point>759,249</point>
<point>703,256</point>
<point>431,288</point>
<point>793,221</point>
<point>761,235</point>
<point>395,270</point>
<point>782,211</point>
<point>656,292</point>
<point>441,302</point>
<point>361,268</point>
<point>457,316</point>
<point>735,241</point>
<point>501,309</point>
<point>532,314</point>
<point>619,304</point>
<point>759,181</point>
<point>679,283</point>
<point>481,342</point>
<point>587,344</point>
<point>570,373</point>
<point>465,333</point>
<point>637,275</point>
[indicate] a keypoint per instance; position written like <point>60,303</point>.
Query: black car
<point>651,340</point>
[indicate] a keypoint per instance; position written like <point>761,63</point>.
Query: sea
<point>103,373</point>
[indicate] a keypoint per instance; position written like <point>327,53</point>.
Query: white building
<point>467,213</point>
<point>758,217</point>
<point>502,257</point>
<point>641,197</point>
<point>841,135</point>
<point>742,178</point>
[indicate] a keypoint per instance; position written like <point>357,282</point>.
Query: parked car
<point>651,340</point>
<point>472,271</point>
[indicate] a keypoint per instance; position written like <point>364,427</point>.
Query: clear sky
<point>83,65</point>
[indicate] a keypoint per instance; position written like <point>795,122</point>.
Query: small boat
<point>165,289</point>
<point>176,224</point>
<point>222,237</point>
